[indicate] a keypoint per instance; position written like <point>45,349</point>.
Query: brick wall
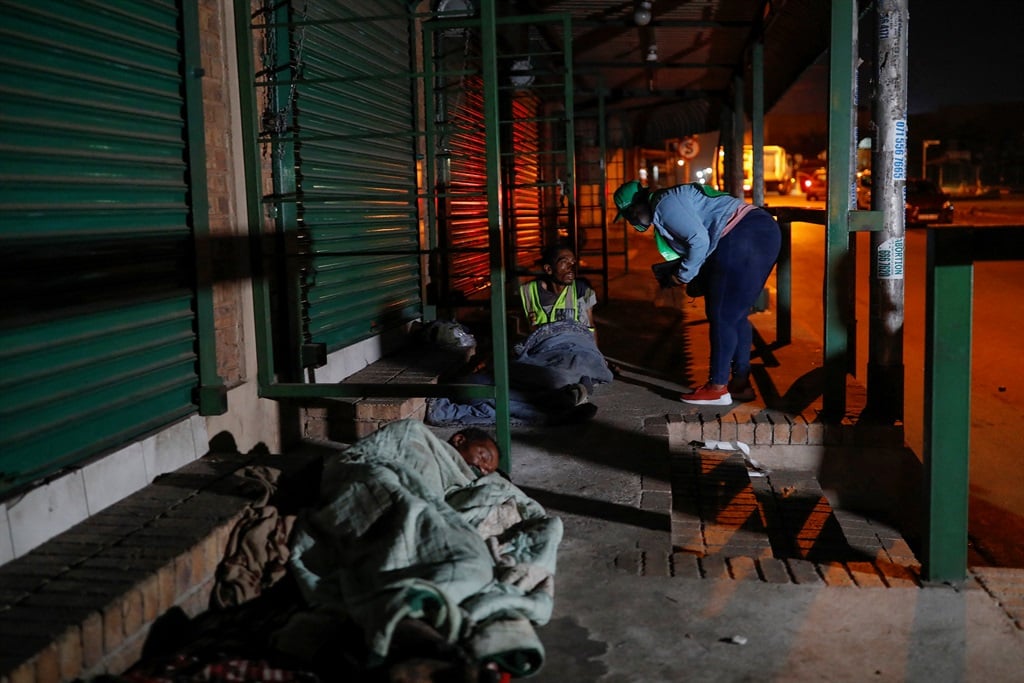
<point>228,251</point>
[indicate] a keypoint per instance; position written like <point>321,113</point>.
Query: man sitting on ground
<point>555,368</point>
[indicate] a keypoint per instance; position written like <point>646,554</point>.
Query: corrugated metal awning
<point>671,77</point>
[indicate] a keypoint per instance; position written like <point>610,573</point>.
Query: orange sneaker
<point>708,396</point>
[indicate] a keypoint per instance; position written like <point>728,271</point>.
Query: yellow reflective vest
<point>566,306</point>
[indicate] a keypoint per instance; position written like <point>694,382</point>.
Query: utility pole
<point>889,175</point>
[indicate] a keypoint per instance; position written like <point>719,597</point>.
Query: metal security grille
<point>525,163</point>
<point>98,333</point>
<point>536,160</point>
<point>338,102</point>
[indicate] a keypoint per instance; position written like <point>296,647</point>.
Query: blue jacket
<point>692,223</point>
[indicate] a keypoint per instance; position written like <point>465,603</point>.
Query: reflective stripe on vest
<point>561,310</point>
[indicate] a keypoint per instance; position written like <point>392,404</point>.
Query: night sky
<point>956,55</point>
<point>963,52</point>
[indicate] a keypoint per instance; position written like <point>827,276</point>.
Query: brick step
<point>771,427</point>
<point>81,604</point>
<point>735,521</point>
<point>346,420</point>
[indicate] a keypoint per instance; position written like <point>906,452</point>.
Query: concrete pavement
<point>680,562</point>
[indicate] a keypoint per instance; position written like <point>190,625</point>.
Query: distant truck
<point>778,169</point>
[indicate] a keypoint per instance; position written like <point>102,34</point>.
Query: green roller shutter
<point>98,334</point>
<point>352,210</point>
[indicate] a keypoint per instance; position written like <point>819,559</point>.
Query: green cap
<point>625,194</point>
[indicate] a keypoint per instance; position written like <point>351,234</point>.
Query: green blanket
<point>405,530</point>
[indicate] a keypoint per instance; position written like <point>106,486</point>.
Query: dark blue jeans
<point>737,271</point>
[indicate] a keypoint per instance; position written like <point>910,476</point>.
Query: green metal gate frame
<point>269,386</point>
<point>546,158</point>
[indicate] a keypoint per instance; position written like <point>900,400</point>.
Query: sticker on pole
<point>899,150</point>
<point>890,259</point>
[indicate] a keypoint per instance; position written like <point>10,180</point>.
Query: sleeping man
<point>411,527</point>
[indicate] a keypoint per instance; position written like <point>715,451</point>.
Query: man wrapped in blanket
<point>410,527</point>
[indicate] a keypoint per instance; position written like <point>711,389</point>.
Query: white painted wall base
<point>57,505</point>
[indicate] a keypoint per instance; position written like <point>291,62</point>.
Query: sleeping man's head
<point>477,448</point>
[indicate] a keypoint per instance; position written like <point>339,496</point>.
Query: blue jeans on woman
<point>736,274</point>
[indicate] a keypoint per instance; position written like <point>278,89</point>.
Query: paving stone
<point>689,539</point>
<point>743,568</point>
<point>715,567</point>
<point>781,430</point>
<point>898,549</point>
<point>798,431</point>
<point>865,575</point>
<point>773,570</point>
<point>656,564</point>
<point>686,565</point>
<point>803,571</point>
<point>897,576</point>
<point>815,433</point>
<point>656,500</point>
<point>835,574</point>
<point>729,428</point>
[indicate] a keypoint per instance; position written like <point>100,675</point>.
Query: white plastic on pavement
<point>727,446</point>
<point>756,469</point>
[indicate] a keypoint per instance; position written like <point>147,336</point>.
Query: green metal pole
<point>737,134</point>
<point>757,123</point>
<point>842,84</point>
<point>211,395</point>
<point>492,146</point>
<point>947,402</point>
<point>784,286</point>
<point>285,208</point>
<point>250,116</point>
<point>430,174</point>
<point>602,137</point>
<point>569,131</point>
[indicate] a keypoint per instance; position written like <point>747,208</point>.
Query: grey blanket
<point>557,354</point>
<point>552,357</point>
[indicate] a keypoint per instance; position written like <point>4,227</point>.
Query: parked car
<point>925,201</point>
<point>815,185</point>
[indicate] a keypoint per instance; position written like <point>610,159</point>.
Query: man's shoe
<point>741,390</point>
<point>578,393</point>
<point>708,396</point>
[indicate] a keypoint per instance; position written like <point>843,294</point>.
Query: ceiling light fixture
<point>652,53</point>
<point>642,15</point>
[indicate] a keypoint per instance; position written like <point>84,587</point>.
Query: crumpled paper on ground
<point>756,468</point>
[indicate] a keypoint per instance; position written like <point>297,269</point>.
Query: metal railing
<point>949,301</point>
<point>951,255</point>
